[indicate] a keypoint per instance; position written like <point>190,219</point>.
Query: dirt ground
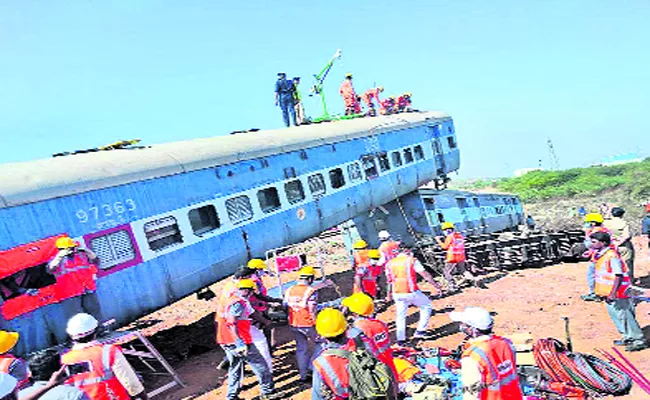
<point>533,300</point>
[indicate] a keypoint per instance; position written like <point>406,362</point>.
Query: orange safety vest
<point>378,332</point>
<point>100,382</point>
<point>496,359</point>
<point>334,372</point>
<point>296,298</point>
<point>368,280</point>
<point>605,277</point>
<point>5,365</point>
<point>400,272</point>
<point>75,274</point>
<point>455,246</point>
<point>360,257</point>
<point>225,321</point>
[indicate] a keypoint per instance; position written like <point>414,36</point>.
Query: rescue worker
<point>75,270</point>
<point>388,248</point>
<point>350,99</point>
<point>611,282</point>
<point>100,370</point>
<point>368,97</point>
<point>645,226</point>
<point>8,387</point>
<point>402,272</point>
<point>362,308</point>
<point>10,364</point>
<point>45,365</point>
<point>301,302</point>
<point>593,224</point>
<point>365,274</point>
<point>284,98</point>
<point>403,103</point>
<point>488,365</point>
<point>455,259</point>
<point>235,337</point>
<point>387,106</point>
<point>621,238</point>
<point>297,102</point>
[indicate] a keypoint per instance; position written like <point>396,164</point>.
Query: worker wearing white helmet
<point>96,368</point>
<point>488,367</point>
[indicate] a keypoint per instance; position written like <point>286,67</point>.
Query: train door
<point>481,215</point>
<point>438,152</point>
<point>509,208</point>
<point>462,207</point>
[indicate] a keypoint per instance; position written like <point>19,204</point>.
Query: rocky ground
<point>532,300</point>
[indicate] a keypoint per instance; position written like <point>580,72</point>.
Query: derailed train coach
<point>168,220</point>
<point>416,217</point>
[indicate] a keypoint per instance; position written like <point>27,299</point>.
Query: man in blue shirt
<point>284,98</point>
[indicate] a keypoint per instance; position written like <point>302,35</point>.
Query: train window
<point>294,191</point>
<point>515,200</point>
<point>163,232</point>
<point>436,147</point>
<point>451,141</point>
<point>317,185</point>
<point>204,219</point>
<point>419,153</point>
<point>354,172</point>
<point>369,167</point>
<point>441,217</point>
<point>269,199</point>
<point>397,159</point>
<point>113,249</point>
<point>239,209</point>
<point>476,203</point>
<point>408,156</point>
<point>336,178</point>
<point>384,163</point>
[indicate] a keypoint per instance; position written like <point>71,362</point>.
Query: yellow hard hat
<point>594,217</point>
<point>447,225</point>
<point>408,94</point>
<point>348,75</point>
<point>307,270</point>
<point>360,244</point>
<point>8,340</point>
<point>246,284</point>
<point>256,263</point>
<point>380,88</point>
<point>405,370</point>
<point>65,242</point>
<point>374,254</point>
<point>359,303</point>
<point>330,322</point>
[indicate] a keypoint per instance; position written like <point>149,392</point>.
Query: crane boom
<point>317,88</point>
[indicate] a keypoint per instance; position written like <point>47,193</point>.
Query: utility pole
<point>555,163</point>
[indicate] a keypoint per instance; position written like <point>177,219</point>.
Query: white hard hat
<point>81,325</point>
<point>473,316</point>
<point>8,385</point>
<point>383,235</point>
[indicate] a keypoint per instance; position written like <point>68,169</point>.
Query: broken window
<point>269,199</point>
<point>419,153</point>
<point>408,156</point>
<point>336,178</point>
<point>451,141</point>
<point>384,164</point>
<point>354,172</point>
<point>397,159</point>
<point>369,167</point>
<point>295,192</point>
<point>163,232</point>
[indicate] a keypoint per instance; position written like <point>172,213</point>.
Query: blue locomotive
<point>168,220</point>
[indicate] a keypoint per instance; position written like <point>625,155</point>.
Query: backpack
<point>370,379</point>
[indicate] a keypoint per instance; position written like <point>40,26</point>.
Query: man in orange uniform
<point>488,367</point>
<point>368,96</point>
<point>455,260</point>
<point>100,370</point>
<point>75,270</point>
<point>362,308</point>
<point>612,280</point>
<point>10,364</point>
<point>301,301</point>
<point>234,336</point>
<point>404,102</point>
<point>349,96</point>
<point>593,223</point>
<point>402,273</point>
<point>365,275</point>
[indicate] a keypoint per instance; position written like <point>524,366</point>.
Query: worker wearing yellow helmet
<point>366,270</point>
<point>403,102</point>
<point>455,262</point>
<point>593,224</point>
<point>349,95</point>
<point>260,299</point>
<point>368,96</point>
<point>10,364</point>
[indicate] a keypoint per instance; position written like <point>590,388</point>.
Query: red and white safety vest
<point>455,246</point>
<point>297,298</point>
<point>333,370</point>
<point>605,277</point>
<point>225,322</point>
<point>76,273</point>
<point>400,272</point>
<point>378,332</point>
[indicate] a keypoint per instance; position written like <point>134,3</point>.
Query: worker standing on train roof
<point>387,106</point>
<point>368,97</point>
<point>75,270</point>
<point>361,307</point>
<point>621,238</point>
<point>403,102</point>
<point>10,364</point>
<point>235,337</point>
<point>365,274</point>
<point>593,224</point>
<point>301,302</point>
<point>100,370</point>
<point>349,96</point>
<point>297,101</point>
<point>402,273</point>
<point>284,98</point>
<point>455,259</point>
<point>612,281</point>
<point>488,365</point>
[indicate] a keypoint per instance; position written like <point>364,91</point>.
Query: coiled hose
<point>585,371</point>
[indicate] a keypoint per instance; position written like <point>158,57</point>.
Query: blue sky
<point>78,74</point>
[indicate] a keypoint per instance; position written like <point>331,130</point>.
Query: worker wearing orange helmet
<point>349,95</point>
<point>368,97</point>
<point>75,270</point>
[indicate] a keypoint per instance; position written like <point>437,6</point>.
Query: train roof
<point>431,191</point>
<point>33,181</point>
